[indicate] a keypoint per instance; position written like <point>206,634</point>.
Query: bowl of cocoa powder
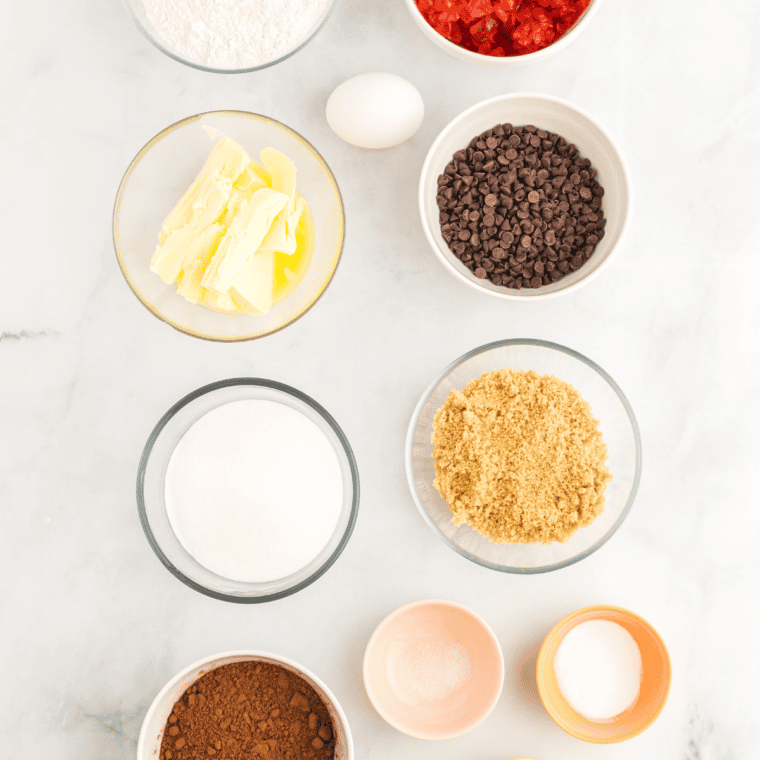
<point>524,197</point>
<point>240,705</point>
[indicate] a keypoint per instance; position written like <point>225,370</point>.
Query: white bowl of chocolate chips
<point>524,197</point>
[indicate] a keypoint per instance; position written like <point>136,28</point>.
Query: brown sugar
<point>520,458</point>
<point>249,710</point>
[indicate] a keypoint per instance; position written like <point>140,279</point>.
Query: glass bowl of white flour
<point>247,490</point>
<point>229,36</point>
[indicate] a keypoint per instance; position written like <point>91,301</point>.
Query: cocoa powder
<point>249,710</point>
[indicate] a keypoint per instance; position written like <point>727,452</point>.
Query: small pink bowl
<point>462,690</point>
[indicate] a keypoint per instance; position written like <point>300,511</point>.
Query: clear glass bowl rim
<point>148,449</point>
<point>555,347</point>
<point>157,42</point>
<point>141,154</point>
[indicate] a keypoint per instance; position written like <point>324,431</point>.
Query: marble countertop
<point>92,624</point>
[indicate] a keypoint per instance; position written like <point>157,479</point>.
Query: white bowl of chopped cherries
<point>501,33</point>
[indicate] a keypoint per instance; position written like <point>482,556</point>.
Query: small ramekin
<point>655,683</point>
<point>457,713</point>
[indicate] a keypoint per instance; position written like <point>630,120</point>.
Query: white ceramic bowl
<point>162,171</point>
<point>503,62</point>
<point>553,115</point>
<point>152,732</point>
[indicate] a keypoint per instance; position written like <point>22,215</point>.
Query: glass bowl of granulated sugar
<point>227,36</point>
<point>247,490</point>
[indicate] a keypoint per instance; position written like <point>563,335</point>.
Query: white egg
<point>375,110</point>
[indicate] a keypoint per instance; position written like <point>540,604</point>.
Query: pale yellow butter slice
<point>253,176</point>
<point>243,190</point>
<point>224,165</point>
<point>281,169</point>
<point>291,223</point>
<point>221,242</point>
<point>201,250</point>
<point>200,206</point>
<point>219,302</point>
<point>243,238</point>
<point>169,257</point>
<point>253,288</point>
<point>282,237</point>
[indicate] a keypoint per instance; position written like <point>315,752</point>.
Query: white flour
<point>234,34</point>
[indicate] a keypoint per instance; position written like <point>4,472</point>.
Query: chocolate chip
<point>522,198</point>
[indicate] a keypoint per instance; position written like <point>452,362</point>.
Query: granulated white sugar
<point>234,34</point>
<point>254,490</point>
<point>429,669</point>
<point>598,667</point>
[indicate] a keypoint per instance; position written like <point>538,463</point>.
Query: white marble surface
<point>92,624</point>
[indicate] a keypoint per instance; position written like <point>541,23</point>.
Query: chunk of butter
<point>221,242</point>
<point>200,206</point>
<point>243,238</point>
<point>252,290</point>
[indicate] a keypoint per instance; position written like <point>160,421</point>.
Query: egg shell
<point>376,110</point>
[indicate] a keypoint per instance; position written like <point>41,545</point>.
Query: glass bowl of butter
<point>228,226</point>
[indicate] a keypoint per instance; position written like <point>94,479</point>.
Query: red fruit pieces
<point>502,27</point>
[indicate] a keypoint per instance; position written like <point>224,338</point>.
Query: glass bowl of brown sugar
<point>616,423</point>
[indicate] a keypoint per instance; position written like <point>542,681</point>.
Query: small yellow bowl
<point>655,682</point>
